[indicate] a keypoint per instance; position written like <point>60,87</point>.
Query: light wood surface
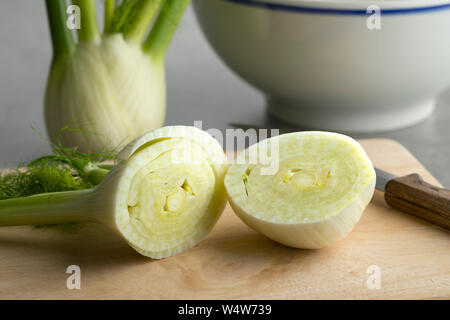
<point>237,263</point>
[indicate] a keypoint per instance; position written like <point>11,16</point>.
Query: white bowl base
<point>312,117</point>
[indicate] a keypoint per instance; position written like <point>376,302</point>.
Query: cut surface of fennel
<point>323,183</point>
<point>165,194</point>
<point>171,190</point>
<point>110,90</point>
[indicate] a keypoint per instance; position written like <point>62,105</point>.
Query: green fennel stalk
<point>27,191</point>
<point>66,169</point>
<point>62,39</point>
<point>160,205</point>
<point>89,30</point>
<point>51,189</point>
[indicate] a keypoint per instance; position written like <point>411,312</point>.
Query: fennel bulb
<point>110,90</point>
<point>110,87</point>
<point>160,205</point>
<point>323,184</point>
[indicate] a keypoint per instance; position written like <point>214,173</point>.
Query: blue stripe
<point>355,12</point>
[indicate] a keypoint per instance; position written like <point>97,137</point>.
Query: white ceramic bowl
<point>321,66</point>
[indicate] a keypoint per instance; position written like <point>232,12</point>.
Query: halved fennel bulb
<point>323,184</point>
<point>163,197</point>
<point>169,191</point>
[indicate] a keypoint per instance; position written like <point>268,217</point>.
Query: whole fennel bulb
<point>110,87</point>
<point>110,90</point>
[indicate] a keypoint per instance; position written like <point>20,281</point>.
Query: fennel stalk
<point>158,200</point>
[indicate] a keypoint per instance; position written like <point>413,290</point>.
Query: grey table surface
<point>200,87</point>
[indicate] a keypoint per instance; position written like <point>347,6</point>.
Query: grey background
<point>200,87</point>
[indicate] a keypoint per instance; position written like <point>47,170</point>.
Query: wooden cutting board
<point>235,262</point>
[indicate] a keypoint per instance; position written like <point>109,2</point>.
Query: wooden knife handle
<point>411,194</point>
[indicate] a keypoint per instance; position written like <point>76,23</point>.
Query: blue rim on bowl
<point>348,7</point>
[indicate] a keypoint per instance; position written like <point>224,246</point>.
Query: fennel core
<point>110,83</point>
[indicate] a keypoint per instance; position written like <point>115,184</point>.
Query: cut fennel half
<point>165,194</point>
<point>323,184</point>
<point>170,191</point>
